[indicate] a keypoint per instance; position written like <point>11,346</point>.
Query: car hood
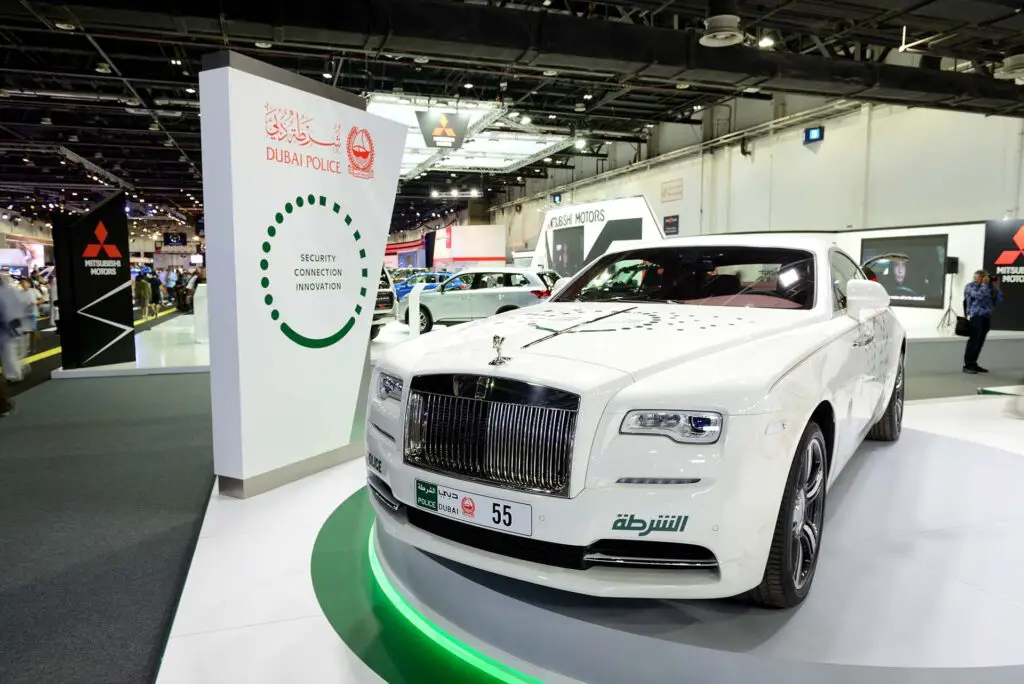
<point>632,338</point>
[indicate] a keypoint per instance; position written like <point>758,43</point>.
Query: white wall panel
<point>927,166</point>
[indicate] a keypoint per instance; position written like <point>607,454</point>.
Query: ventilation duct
<point>1011,68</point>
<point>722,27</point>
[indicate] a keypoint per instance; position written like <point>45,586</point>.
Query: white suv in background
<point>384,308</point>
<point>479,293</point>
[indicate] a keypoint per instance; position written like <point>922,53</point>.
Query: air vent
<point>1011,68</point>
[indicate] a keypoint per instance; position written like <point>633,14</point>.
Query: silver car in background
<point>480,292</point>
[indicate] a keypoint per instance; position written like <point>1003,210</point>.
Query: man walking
<point>980,296</point>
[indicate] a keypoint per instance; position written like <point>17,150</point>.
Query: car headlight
<point>688,427</point>
<point>389,387</point>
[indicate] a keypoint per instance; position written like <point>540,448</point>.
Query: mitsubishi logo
<point>443,130</point>
<point>92,251</point>
<point>1009,257</point>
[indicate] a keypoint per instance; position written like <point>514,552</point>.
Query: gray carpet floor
<point>943,385</point>
<point>103,486</point>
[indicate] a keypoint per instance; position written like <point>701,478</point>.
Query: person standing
<point>980,296</point>
<point>144,295</point>
<point>31,298</point>
<point>11,321</point>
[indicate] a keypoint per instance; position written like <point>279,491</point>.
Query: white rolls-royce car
<point>667,425</point>
<point>477,293</point>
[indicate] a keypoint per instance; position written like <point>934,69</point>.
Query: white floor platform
<point>171,348</point>
<point>248,612</point>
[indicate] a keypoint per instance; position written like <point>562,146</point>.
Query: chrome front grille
<point>500,432</point>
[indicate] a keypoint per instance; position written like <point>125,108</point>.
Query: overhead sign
<point>1004,258</point>
<point>94,288</point>
<point>175,238</point>
<point>575,235</point>
<point>443,129</point>
<point>672,191</point>
<point>176,249</point>
<point>300,185</point>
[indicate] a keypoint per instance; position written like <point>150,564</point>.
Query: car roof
<point>501,269</point>
<point>813,242</point>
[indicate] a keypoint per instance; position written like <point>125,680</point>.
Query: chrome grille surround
<point>500,432</point>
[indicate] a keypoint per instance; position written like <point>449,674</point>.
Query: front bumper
<point>384,317</point>
<point>730,512</point>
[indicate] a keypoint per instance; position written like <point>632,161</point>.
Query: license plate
<point>475,509</point>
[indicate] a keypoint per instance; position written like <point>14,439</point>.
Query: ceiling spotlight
<point>176,62</point>
<point>435,193</point>
<point>26,160</point>
<point>63,163</point>
<point>65,26</point>
<point>682,86</point>
<point>190,91</point>
<point>766,42</point>
<point>102,68</point>
<point>547,160</point>
<point>697,108</point>
<point>550,72</point>
<point>649,126</point>
<point>263,44</point>
<point>46,121</point>
<point>467,86</point>
<point>473,192</point>
<point>588,96</point>
<point>551,116</point>
<point>546,3</point>
<point>421,60</point>
<point>455,192</point>
<point>453,175</point>
<point>519,179</point>
<point>525,121</point>
<point>580,143</point>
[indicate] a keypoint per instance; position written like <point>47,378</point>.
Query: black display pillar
<point>94,287</point>
<point>1004,257</point>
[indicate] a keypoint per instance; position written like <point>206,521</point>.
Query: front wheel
<point>890,425</point>
<point>426,320</point>
<point>797,539</point>
<point>374,331</point>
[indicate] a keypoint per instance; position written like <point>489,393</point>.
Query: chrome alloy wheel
<point>808,512</point>
<point>423,321</point>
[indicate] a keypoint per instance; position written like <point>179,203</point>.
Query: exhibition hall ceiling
<point>107,89</point>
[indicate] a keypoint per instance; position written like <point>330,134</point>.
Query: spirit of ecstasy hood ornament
<point>499,360</point>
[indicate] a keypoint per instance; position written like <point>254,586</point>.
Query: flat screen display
<point>175,239</point>
<point>920,281</point>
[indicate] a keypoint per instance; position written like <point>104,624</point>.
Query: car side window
<point>456,283</point>
<point>518,280</point>
<point>485,281</point>
<point>843,271</point>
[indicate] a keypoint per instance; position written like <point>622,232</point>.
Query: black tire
<point>505,309</point>
<point>890,425</point>
<point>798,529</point>
<point>374,331</point>
<point>426,320</point>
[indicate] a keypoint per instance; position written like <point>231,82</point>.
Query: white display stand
<point>414,309</point>
<point>299,184</point>
<point>200,315</point>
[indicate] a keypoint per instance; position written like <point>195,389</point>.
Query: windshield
<point>762,277</point>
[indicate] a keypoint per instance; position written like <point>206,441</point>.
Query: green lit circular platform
<point>414,617</point>
<point>376,622</point>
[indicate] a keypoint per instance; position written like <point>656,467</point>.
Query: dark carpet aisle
<point>103,486</point>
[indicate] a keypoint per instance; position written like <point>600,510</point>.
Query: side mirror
<point>865,296</point>
<point>559,286</point>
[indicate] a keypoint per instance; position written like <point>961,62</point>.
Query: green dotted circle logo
<point>280,219</point>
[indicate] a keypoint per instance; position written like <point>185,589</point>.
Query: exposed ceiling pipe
<point>66,95</point>
<point>722,26</point>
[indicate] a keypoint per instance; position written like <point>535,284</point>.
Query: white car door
<point>450,301</point>
<point>856,392</point>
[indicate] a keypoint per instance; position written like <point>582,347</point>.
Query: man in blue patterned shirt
<point>980,297</point>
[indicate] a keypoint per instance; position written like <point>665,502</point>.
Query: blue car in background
<point>431,280</point>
